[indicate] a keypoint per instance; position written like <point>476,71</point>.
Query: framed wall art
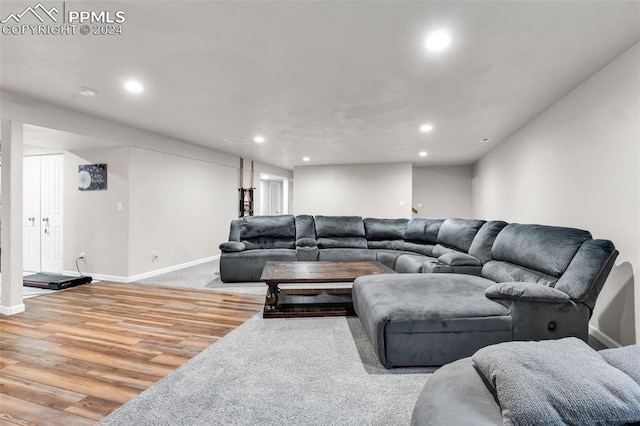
<point>92,177</point>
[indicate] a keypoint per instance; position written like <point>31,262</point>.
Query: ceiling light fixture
<point>258,139</point>
<point>88,92</point>
<point>306,159</point>
<point>134,86</point>
<point>423,153</point>
<point>437,41</point>
<point>426,128</point>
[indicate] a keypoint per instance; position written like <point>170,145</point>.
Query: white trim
<point>12,310</point>
<point>603,338</point>
<point>130,279</point>
<point>172,268</point>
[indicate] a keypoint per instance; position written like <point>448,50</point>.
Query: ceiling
<point>338,81</point>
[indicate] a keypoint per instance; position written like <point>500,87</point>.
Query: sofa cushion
<point>305,226</point>
<point>486,236</point>
<point>389,257</point>
<point>440,250</point>
<point>412,263</point>
<point>384,229</point>
<point>558,382</point>
<point>547,249</point>
<point>342,242</point>
<point>423,230</point>
<point>459,233</point>
<point>268,226</point>
<point>339,226</point>
<point>386,244</point>
<point>346,255</point>
<point>425,249</point>
<point>459,259</point>
<point>625,359</point>
<point>269,243</point>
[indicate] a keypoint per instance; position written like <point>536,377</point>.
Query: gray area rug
<point>307,371</point>
<point>205,276</point>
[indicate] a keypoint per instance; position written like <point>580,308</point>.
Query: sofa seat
<point>346,255</point>
<point>423,320</point>
<point>389,257</point>
<point>411,263</point>
<point>248,265</point>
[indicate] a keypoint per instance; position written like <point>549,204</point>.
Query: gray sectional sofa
<point>462,284</point>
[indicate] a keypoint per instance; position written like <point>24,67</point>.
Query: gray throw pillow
<point>626,359</point>
<point>558,382</point>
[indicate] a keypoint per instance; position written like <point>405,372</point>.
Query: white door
<point>51,212</point>
<point>42,214</point>
<point>275,190</point>
<point>31,224</point>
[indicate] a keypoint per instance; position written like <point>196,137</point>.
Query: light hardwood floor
<point>76,355</point>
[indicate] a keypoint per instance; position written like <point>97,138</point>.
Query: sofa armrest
<point>459,259</point>
<point>528,292</point>
<point>232,247</point>
<point>306,242</point>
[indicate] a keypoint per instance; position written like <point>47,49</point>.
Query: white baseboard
<point>12,310</point>
<point>603,338</point>
<point>145,275</point>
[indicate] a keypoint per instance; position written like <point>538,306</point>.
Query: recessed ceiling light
<point>306,159</point>
<point>422,153</point>
<point>88,92</point>
<point>426,128</point>
<point>437,41</point>
<point>484,140</point>
<point>134,86</point>
<point>258,139</point>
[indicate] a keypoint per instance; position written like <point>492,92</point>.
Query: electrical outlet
<point>81,257</point>
<point>154,256</point>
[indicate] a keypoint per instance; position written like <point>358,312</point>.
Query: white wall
<point>442,191</point>
<point>92,222</point>
<point>577,164</point>
<point>374,190</point>
<point>179,207</point>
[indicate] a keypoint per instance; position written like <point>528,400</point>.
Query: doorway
<point>273,195</point>
<point>42,216</point>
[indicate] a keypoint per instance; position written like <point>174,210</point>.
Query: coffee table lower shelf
<point>310,302</point>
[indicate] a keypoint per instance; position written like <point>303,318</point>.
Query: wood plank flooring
<point>76,355</point>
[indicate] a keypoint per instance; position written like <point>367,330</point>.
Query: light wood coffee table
<point>317,300</point>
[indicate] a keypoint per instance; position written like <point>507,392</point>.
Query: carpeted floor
<point>308,371</point>
<point>205,276</point>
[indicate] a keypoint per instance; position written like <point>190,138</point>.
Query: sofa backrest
<point>456,235</point>
<point>340,232</point>
<point>305,227</point>
<point>263,232</point>
<point>481,246</point>
<point>533,253</point>
<point>423,231</point>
